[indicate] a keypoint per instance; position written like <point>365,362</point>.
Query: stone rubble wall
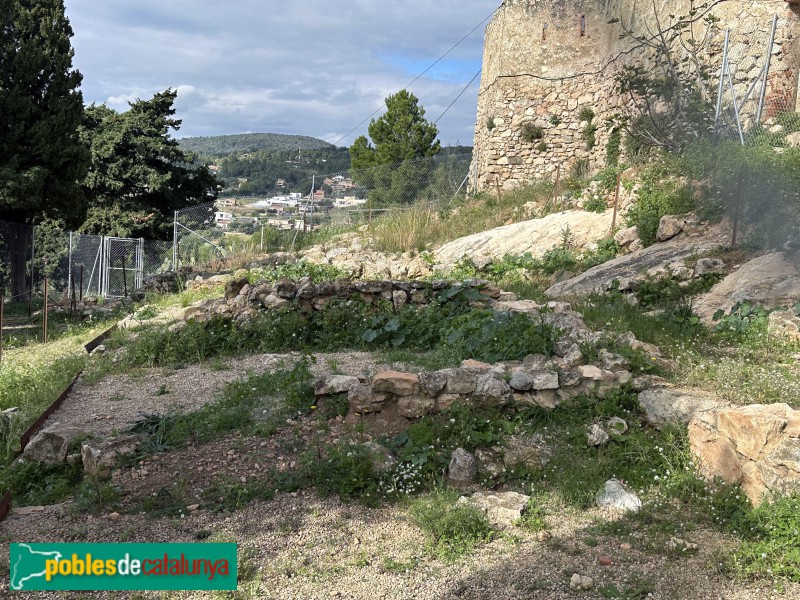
<point>538,380</point>
<point>547,82</point>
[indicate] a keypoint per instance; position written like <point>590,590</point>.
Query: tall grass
<point>420,226</point>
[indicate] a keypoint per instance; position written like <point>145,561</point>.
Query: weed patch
<point>451,531</point>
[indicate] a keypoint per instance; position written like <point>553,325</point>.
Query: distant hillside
<point>223,145</point>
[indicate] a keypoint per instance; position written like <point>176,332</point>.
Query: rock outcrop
<point>536,236</point>
<point>756,446</point>
<point>771,280</point>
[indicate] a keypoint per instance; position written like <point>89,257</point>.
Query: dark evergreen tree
<point>41,107</point>
<point>393,168</point>
<point>139,174</point>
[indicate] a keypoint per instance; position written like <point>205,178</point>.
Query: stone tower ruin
<point>547,85</point>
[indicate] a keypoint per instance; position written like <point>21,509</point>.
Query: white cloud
<point>306,67</point>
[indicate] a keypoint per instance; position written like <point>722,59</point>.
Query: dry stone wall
<point>540,72</point>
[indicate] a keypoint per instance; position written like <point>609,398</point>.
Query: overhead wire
<point>413,81</point>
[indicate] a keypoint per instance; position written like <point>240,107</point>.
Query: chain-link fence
<point>754,95</point>
<point>75,265</point>
<point>235,226</point>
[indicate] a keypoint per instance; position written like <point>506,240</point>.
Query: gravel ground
<point>298,546</point>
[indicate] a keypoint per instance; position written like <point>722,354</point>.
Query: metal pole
<point>262,239</point>
<point>766,70</point>
<point>175,242</point>
<point>73,304</point>
<point>724,68</point>
<point>737,201</point>
<point>44,322</point>
<point>81,290</point>
<point>33,258</point>
<point>69,267</point>
<point>124,276</point>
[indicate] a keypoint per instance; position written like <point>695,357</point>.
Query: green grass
<point>451,532</point>
<point>420,227</point>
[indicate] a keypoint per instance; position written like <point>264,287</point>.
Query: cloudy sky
<point>310,67</point>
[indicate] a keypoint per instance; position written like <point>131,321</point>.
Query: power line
<point>461,93</point>
<point>437,61</point>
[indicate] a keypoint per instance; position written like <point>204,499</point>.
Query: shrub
<point>613,149</point>
<point>596,205</point>
<point>656,199</point>
<point>490,123</point>
<point>531,132</point>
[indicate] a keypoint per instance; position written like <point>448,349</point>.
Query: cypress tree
<point>42,158</point>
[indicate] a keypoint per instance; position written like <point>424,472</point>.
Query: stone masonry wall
<point>538,68</point>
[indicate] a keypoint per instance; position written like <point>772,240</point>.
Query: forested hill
<point>223,145</point>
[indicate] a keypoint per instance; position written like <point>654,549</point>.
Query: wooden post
<point>46,307</point>
<point>497,185</point>
<point>616,204</point>
<point>555,185</point>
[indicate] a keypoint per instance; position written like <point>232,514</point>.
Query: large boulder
<point>631,267</point>
<point>663,406</point>
<point>51,444</point>
<point>770,280</point>
<point>756,446</point>
<point>536,236</point>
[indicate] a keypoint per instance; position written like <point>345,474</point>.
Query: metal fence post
<point>766,70</point>
<point>175,242</point>
<point>69,268</point>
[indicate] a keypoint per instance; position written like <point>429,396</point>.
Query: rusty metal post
<point>583,25</point>
<point>44,319</point>
<point>544,32</point>
<point>616,204</point>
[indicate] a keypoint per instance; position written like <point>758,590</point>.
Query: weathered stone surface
<point>663,406</point>
<point>594,373</point>
<point>100,456</point>
<point>489,461</point>
<point>536,236</point>
<point>770,280</point>
<point>615,495</point>
<point>460,381</point>
<point>596,435</point>
<point>491,391</point>
<point>414,407</point>
<point>502,509</point>
<point>51,444</point>
<point>531,451</point>
<point>785,324</point>
<point>616,426</point>
<point>544,380</point>
<point>709,266</point>
<point>668,227</point>
<point>521,381</point>
<point>334,384</point>
<point>361,399</point>
<point>476,366</point>
<point>234,286</point>
<point>549,399</point>
<point>631,266</point>
<point>396,382</point>
<point>463,468</point>
<point>625,237</point>
<point>273,302</point>
<point>432,383</point>
<point>756,446</point>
